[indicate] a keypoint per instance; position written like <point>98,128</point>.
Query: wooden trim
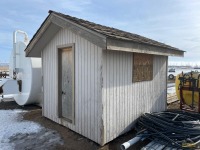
<point>59,107</point>
<point>60,22</point>
<point>43,40</point>
<point>37,36</point>
<point>130,46</point>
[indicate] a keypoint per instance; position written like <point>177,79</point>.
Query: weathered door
<point>66,83</point>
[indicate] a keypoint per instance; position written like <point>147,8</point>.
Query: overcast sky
<point>174,22</point>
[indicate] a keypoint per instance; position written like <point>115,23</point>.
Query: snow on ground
<point>171,90</point>
<point>19,134</point>
<point>11,124</point>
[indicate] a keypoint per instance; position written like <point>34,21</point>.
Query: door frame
<point>59,79</point>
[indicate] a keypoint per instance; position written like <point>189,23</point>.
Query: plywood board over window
<point>142,67</point>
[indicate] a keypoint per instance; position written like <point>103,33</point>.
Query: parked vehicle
<point>171,73</point>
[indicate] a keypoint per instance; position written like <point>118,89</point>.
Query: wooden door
<point>66,83</point>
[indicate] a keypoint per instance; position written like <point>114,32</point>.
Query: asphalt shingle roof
<point>113,32</point>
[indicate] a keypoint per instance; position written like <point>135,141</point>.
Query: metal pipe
<point>129,143</point>
<point>14,45</point>
<point>22,32</point>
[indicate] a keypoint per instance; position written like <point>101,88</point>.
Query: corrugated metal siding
<point>88,65</point>
<point>124,101</point>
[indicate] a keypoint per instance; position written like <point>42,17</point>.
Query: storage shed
<point>98,80</point>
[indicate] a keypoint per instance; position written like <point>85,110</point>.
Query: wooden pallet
<point>171,98</point>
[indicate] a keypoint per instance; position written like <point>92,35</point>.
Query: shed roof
<point>113,32</point>
<point>110,35</point>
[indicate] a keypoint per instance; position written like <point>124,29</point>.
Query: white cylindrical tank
<point>27,72</point>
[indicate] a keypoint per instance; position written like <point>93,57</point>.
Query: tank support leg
<point>192,98</point>
<point>199,104</point>
<point>181,98</point>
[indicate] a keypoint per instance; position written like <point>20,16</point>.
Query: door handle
<point>63,93</point>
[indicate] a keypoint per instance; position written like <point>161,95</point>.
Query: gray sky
<point>174,22</point>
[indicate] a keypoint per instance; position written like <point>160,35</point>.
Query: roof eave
<point>130,46</point>
<point>41,38</point>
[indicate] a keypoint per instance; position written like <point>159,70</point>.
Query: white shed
<point>98,80</point>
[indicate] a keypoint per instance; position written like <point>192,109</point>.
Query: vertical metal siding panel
<point>70,40</point>
<point>51,79</point>
<point>104,102</point>
<point>126,90</point>
<point>77,111</point>
<point>131,88</point>
<point>74,39</point>
<point>82,87</point>
<point>117,89</point>
<point>54,78</point>
<point>121,89</point>
<point>95,93</point>
<point>107,97</point>
<point>99,76</point>
<point>48,65</point>
<point>104,96</point>
<point>56,85</point>
<point>78,83</point>
<point>49,84</point>
<point>52,83</point>
<point>92,92</point>
<point>46,83</point>
<point>110,83</point>
<point>55,101</point>
<point>88,89</point>
<point>110,96</point>
<point>114,94</point>
<point>96,85</point>
<point>44,78</point>
<point>48,60</point>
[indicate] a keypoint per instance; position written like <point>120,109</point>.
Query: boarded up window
<point>142,67</point>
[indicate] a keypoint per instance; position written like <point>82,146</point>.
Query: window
<point>142,67</point>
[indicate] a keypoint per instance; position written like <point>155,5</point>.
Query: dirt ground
<point>175,105</point>
<point>71,140</point>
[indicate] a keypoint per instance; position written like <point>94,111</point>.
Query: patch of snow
<point>171,90</point>
<point>11,124</point>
